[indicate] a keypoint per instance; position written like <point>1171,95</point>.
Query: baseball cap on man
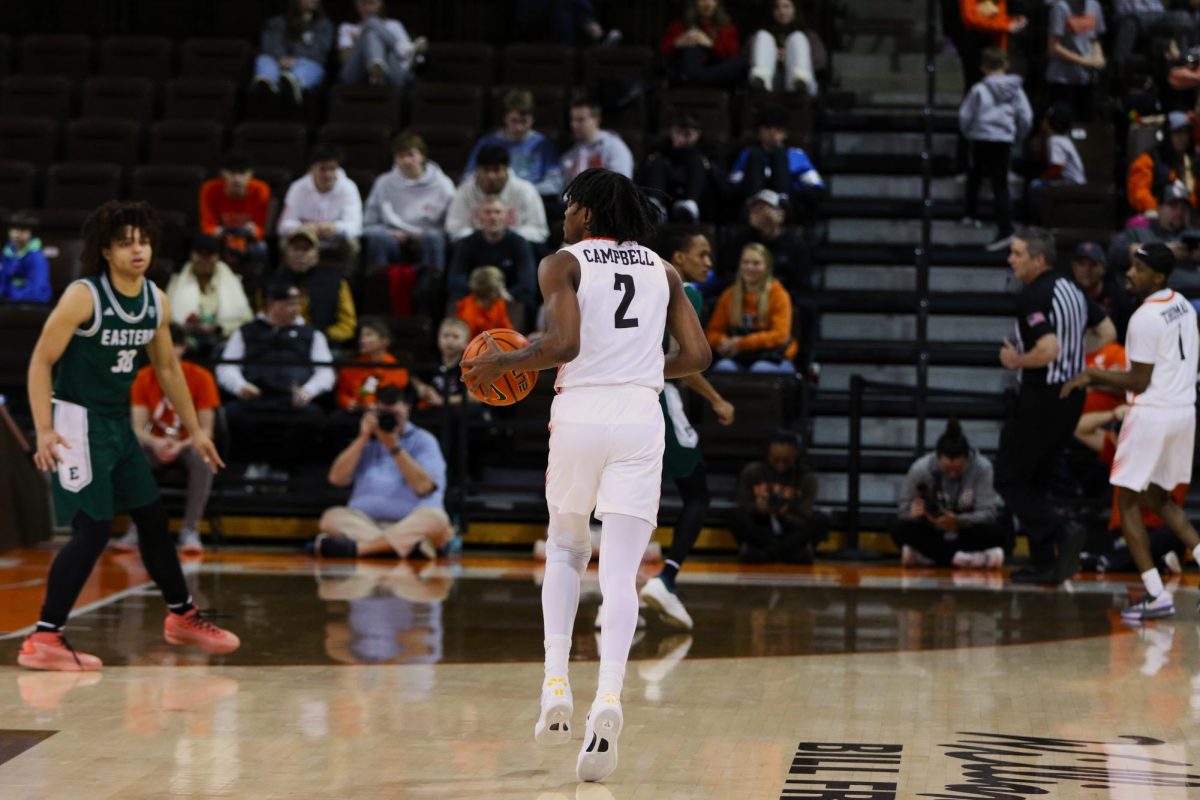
<point>282,290</point>
<point>1157,256</point>
<point>1089,250</point>
<point>306,234</point>
<point>768,196</point>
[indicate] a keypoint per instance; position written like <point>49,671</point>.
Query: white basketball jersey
<point>1162,332</point>
<point>623,296</point>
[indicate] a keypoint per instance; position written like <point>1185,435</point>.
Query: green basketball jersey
<point>98,366</point>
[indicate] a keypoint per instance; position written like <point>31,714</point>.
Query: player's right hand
<point>46,457</point>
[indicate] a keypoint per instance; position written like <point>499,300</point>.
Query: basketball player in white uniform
<point>607,299</point>
<point>1154,451</point>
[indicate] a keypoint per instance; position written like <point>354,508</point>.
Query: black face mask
<point>388,421</point>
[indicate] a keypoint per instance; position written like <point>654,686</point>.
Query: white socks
<point>1153,582</point>
<point>623,540</point>
<point>558,653</point>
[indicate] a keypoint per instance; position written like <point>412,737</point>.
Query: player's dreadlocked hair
<point>108,222</point>
<point>620,210</point>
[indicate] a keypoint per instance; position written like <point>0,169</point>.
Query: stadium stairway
<point>871,156</point>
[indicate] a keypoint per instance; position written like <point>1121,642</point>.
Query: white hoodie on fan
<point>342,205</point>
<point>414,205</point>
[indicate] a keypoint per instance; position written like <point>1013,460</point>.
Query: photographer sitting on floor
<point>398,476</point>
<point>948,508</point>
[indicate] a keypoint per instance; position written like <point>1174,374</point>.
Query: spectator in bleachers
<point>993,117</point>
<point>526,212</point>
<point>358,386</point>
<point>751,327</point>
<point>1136,20</point>
<point>791,264</point>
<point>704,47</point>
<point>406,209</point>
<point>594,147</point>
<point>781,52</point>
<point>294,49</point>
<point>376,49</point>
<point>681,170</point>
<point>166,441</point>
<point>531,155</point>
<point>495,244</point>
<point>325,202</point>
<point>1063,164</point>
<point>207,298</point>
<point>486,306</point>
<point>285,370</point>
<point>985,23</point>
<point>24,271</point>
<point>234,207</point>
<point>949,508</point>
<point>772,164</point>
<point>561,22</point>
<point>326,302</point>
<point>1167,224</point>
<point>444,384</point>
<point>1074,56</point>
<point>398,479</point>
<point>1169,162</point>
<point>1104,286</point>
<point>775,519</point>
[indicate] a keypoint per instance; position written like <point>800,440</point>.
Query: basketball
<point>513,385</point>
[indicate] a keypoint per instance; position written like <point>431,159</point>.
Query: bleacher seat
<point>200,98</point>
<point>535,64</point>
<point>274,144</point>
<point>413,336</point>
<point>225,58</point>
<point>65,55</point>
<point>622,61</point>
<point>763,404</point>
<point>1074,206</point>
<point>447,104</point>
<point>32,139</point>
<point>136,56</point>
<point>449,146</point>
<point>709,106</point>
<point>186,142</point>
<point>635,140</point>
<point>364,179</point>
<point>81,185</point>
<point>36,96</point>
<point>169,187</point>
<point>364,105</point>
<point>1095,143</point>
<point>104,141</point>
<point>118,97</point>
<point>6,55</point>
<point>459,62</point>
<point>18,182</point>
<point>363,146</point>
<point>549,107</point>
<point>63,256</point>
<point>20,327</point>
<point>278,178</point>
<point>800,114</point>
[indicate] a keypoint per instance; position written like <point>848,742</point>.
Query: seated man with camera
<point>949,507</point>
<point>398,479</point>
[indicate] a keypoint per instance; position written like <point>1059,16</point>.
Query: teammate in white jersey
<point>607,299</point>
<point>1154,451</point>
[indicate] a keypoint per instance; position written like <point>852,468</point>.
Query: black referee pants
<point>1033,438</point>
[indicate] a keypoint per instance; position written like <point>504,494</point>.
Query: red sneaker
<point>194,628</point>
<point>51,651</point>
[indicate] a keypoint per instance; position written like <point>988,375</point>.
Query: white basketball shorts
<point>1155,446</point>
<point>606,450</point>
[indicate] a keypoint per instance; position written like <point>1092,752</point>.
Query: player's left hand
<point>484,369</point>
<point>207,450</point>
<point>1080,381</point>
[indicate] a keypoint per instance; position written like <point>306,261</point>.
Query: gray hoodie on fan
<point>972,498</point>
<point>415,205</point>
<point>996,110</point>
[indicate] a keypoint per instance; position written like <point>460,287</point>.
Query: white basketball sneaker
<point>1150,608</point>
<point>656,595</point>
<point>598,756</point>
<point>554,723</point>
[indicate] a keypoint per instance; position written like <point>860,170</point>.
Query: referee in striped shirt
<point>1054,320</point>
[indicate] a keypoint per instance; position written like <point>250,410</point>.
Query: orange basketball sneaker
<point>193,628</point>
<point>50,650</point>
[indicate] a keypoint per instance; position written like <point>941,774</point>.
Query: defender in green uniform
<point>683,462</point>
<point>80,375</point>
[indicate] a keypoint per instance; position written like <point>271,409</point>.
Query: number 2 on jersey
<point>624,282</point>
<point>124,361</point>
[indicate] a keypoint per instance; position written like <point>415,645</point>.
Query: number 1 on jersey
<point>624,282</point>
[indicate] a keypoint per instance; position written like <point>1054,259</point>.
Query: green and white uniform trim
<point>682,453</point>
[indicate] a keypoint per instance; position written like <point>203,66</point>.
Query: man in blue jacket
<point>24,271</point>
<point>771,164</point>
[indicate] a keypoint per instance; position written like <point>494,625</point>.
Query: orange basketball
<point>513,385</point>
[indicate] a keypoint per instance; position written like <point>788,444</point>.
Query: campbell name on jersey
<point>623,295</point>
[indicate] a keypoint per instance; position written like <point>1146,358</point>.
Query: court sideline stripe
<point>103,601</point>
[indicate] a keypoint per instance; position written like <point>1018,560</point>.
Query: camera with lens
<point>388,421</point>
<point>930,497</point>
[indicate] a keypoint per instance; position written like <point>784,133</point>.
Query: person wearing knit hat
<point>1154,451</point>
